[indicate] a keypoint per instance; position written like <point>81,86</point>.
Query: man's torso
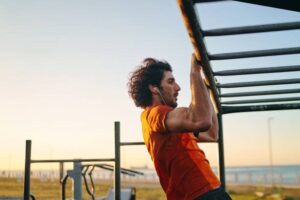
<point>181,165</point>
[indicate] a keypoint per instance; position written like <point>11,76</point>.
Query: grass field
<point>51,190</point>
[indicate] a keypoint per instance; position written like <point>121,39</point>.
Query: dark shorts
<point>216,194</point>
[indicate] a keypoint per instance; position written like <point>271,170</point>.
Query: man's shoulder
<point>152,112</point>
<point>157,109</point>
<point>155,117</point>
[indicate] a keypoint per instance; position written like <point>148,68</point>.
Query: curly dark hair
<point>150,72</point>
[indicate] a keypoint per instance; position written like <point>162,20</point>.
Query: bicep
<point>179,121</point>
<point>175,120</point>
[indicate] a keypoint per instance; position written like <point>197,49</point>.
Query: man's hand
<point>196,66</point>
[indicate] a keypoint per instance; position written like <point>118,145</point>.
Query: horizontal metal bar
<point>73,160</point>
<point>259,83</point>
<point>122,170</point>
<point>282,4</point>
<point>129,170</point>
<point>205,1</point>
<point>252,29</point>
<point>262,100</point>
<point>131,143</point>
<point>258,93</point>
<point>142,143</point>
<point>271,107</point>
<point>257,70</point>
<point>257,53</point>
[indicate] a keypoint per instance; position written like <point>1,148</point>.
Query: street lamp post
<point>270,148</point>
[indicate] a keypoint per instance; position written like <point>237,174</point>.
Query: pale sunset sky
<point>64,66</point>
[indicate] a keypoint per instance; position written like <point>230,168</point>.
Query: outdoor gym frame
<point>197,36</point>
<point>77,172</point>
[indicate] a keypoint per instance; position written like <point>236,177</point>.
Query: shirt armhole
<point>158,116</point>
<point>165,122</point>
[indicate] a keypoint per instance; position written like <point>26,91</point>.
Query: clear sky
<point>64,66</point>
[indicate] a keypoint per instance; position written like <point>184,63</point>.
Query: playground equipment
<point>197,35</point>
<point>80,170</point>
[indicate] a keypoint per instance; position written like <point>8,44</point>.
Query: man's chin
<point>174,105</point>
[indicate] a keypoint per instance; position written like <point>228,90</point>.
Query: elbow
<point>215,134</point>
<point>203,125</point>
<point>215,138</point>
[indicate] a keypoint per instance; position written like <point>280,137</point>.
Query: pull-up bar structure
<point>76,173</point>
<point>198,35</point>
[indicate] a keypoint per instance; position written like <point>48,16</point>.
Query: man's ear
<point>153,89</point>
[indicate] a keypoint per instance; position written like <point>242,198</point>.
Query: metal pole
<point>262,100</point>
<point>259,83</point>
<point>221,152</point>
<point>131,143</point>
<point>61,170</point>
<point>255,53</point>
<point>77,181</point>
<point>27,170</point>
<point>117,182</point>
<point>73,160</point>
<point>258,93</point>
<point>270,148</point>
<point>252,108</point>
<point>63,187</point>
<point>61,177</point>
<point>287,5</point>
<point>253,29</point>
<point>235,72</point>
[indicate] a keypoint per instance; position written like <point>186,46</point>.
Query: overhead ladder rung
<point>235,109</point>
<point>252,29</point>
<point>258,93</point>
<point>259,83</point>
<point>257,53</point>
<point>257,70</point>
<point>262,100</point>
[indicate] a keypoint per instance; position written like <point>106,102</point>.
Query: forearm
<point>214,131</point>
<point>200,109</point>
<point>200,104</point>
<point>215,122</point>
<point>212,134</point>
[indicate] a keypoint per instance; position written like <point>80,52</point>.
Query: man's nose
<point>177,87</point>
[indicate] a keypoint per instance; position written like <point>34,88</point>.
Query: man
<point>183,170</point>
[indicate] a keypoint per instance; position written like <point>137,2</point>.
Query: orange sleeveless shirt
<point>183,170</point>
